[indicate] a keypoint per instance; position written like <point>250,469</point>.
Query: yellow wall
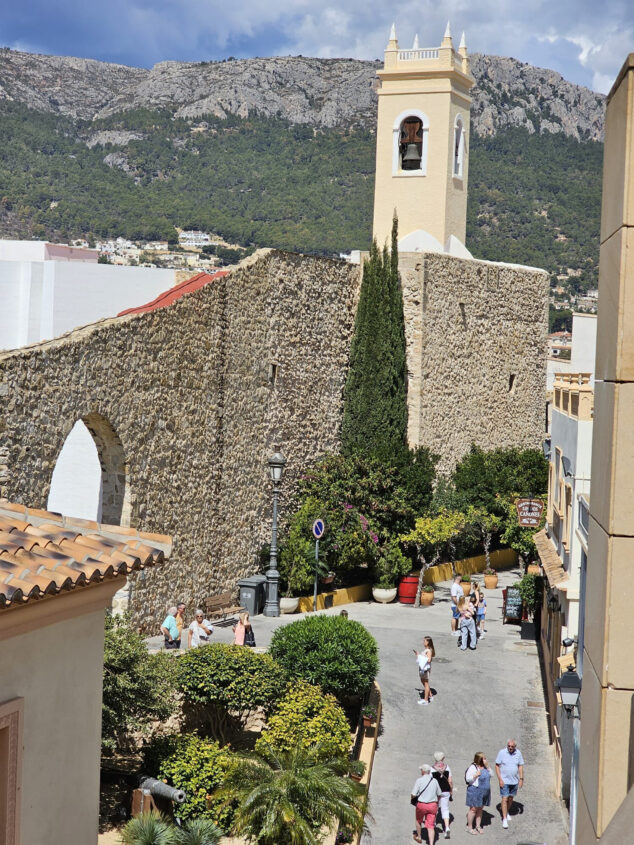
<point>347,595</point>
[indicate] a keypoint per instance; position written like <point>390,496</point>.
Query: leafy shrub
<point>138,687</point>
<point>332,652</point>
<point>531,588</point>
<point>223,678</point>
<point>308,717</point>
<point>392,564</point>
<point>197,766</point>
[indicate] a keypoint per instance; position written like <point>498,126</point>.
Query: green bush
<point>308,717</point>
<point>222,678</point>
<point>392,564</point>
<point>332,652</point>
<point>138,687</point>
<point>197,766</point>
<point>531,588</point>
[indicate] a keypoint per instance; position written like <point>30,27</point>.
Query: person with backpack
<point>425,795</point>
<point>442,773</point>
<point>478,780</point>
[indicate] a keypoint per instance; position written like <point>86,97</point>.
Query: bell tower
<point>422,146</point>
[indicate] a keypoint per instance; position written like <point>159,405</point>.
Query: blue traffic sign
<point>318,528</point>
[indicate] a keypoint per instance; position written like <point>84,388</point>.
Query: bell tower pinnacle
<point>422,145</point>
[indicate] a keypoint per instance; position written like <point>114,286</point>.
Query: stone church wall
<point>193,398</point>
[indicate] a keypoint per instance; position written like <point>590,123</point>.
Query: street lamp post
<point>277,462</point>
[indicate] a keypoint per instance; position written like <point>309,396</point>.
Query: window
<point>10,769</point>
<point>458,147</point>
<point>409,154</point>
<point>512,383</point>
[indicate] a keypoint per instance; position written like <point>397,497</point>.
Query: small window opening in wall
<point>272,374</point>
<point>512,383</point>
<point>463,315</point>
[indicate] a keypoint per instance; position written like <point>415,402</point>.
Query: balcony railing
<point>417,55</point>
<point>573,395</point>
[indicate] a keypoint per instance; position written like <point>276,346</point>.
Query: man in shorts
<point>509,767</point>
<point>456,593</point>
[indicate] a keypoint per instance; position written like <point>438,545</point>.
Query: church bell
<point>412,157</point>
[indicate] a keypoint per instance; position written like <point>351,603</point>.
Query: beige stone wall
<point>186,403</point>
<point>57,671</point>
<point>476,342</point>
<point>185,393</point>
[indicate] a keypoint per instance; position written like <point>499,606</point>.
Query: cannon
<point>153,794</point>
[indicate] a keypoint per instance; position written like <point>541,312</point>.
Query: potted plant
<point>369,715</point>
<point>533,569</point>
<point>490,578</point>
<point>328,578</point>
<point>356,769</point>
<point>465,583</point>
<point>426,595</point>
<point>531,589</point>
<point>391,565</point>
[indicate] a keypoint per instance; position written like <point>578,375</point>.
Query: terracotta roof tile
<point>169,296</point>
<point>43,553</point>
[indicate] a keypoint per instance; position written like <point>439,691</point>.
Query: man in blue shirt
<point>509,767</point>
<point>170,630</point>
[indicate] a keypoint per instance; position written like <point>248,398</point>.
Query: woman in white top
<point>199,631</point>
<point>442,773</point>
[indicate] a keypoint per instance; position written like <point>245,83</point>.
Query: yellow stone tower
<point>422,146</point>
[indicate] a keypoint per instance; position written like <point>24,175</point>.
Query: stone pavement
<point>483,697</point>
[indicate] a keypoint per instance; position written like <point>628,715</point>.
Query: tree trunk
<point>487,546</point>
<point>424,567</point>
<point>452,552</point>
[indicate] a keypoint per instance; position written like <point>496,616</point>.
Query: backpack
<point>249,637</point>
<point>443,780</point>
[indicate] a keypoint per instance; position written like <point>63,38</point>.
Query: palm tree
<point>198,832</point>
<point>148,829</point>
<point>292,797</point>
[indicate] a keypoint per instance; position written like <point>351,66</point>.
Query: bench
<point>217,608</point>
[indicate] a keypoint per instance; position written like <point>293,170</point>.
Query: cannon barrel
<point>158,789</point>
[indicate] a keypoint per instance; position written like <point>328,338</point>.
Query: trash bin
<point>253,593</point>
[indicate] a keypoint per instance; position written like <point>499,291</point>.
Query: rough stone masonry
<point>187,402</point>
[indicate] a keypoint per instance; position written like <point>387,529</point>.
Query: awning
<point>551,562</point>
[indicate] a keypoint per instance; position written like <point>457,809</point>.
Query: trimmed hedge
<point>307,717</point>
<point>332,652</point>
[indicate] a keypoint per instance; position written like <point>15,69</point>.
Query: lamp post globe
<point>277,462</point>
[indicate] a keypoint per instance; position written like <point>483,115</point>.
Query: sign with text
<point>513,606</point>
<point>529,512</point>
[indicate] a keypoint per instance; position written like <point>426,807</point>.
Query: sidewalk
<point>482,699</point>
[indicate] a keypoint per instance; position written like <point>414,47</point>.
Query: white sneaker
<point>422,701</point>
<point>505,823</point>
<point>455,633</point>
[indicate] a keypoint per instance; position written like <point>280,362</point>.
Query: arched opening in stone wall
<point>90,479</point>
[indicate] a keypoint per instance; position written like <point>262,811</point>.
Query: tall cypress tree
<point>375,399</point>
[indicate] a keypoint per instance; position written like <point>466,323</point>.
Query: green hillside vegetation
<point>265,182</point>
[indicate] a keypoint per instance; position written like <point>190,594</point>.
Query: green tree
<point>375,397</point>
<point>228,682</point>
<point>486,524</point>
<point>518,538</point>
<point>432,535</point>
<point>138,687</point>
<point>292,797</point>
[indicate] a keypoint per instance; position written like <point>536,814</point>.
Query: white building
<point>46,290</point>
<point>582,350</point>
<point>194,238</point>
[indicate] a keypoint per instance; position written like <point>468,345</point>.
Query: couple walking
<point>509,769</point>
<point>432,792</point>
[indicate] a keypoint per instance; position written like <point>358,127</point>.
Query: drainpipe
<point>576,725</point>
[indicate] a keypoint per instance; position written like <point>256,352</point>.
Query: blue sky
<point>586,41</point>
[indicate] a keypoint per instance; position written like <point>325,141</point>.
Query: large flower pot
<point>384,595</point>
<point>491,581</point>
<point>289,604</point>
<point>426,599</point>
<point>466,587</point>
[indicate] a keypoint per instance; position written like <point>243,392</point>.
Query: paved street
<point>482,699</point>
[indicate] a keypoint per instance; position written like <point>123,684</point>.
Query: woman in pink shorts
<point>426,791</point>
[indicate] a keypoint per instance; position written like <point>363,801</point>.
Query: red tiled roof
<point>171,295</point>
<point>43,553</point>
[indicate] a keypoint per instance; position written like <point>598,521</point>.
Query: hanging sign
<point>529,512</point>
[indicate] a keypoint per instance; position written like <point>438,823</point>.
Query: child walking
<point>424,659</point>
<point>481,612</point>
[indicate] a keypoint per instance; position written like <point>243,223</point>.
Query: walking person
<point>509,767</point>
<point>243,632</point>
<point>170,630</point>
<point>200,630</point>
<point>468,633</point>
<point>481,611</point>
<point>424,659</point>
<point>456,593</point>
<point>442,773</point>
<point>478,780</point>
<point>425,793</point>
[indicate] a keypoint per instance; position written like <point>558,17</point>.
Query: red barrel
<point>407,589</point>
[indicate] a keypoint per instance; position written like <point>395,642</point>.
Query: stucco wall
<point>57,671</point>
<point>476,336</point>
<point>186,403</point>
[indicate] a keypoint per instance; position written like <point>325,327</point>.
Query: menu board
<point>513,605</point>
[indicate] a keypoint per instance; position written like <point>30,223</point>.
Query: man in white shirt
<point>426,791</point>
<point>456,593</point>
<point>200,631</point>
